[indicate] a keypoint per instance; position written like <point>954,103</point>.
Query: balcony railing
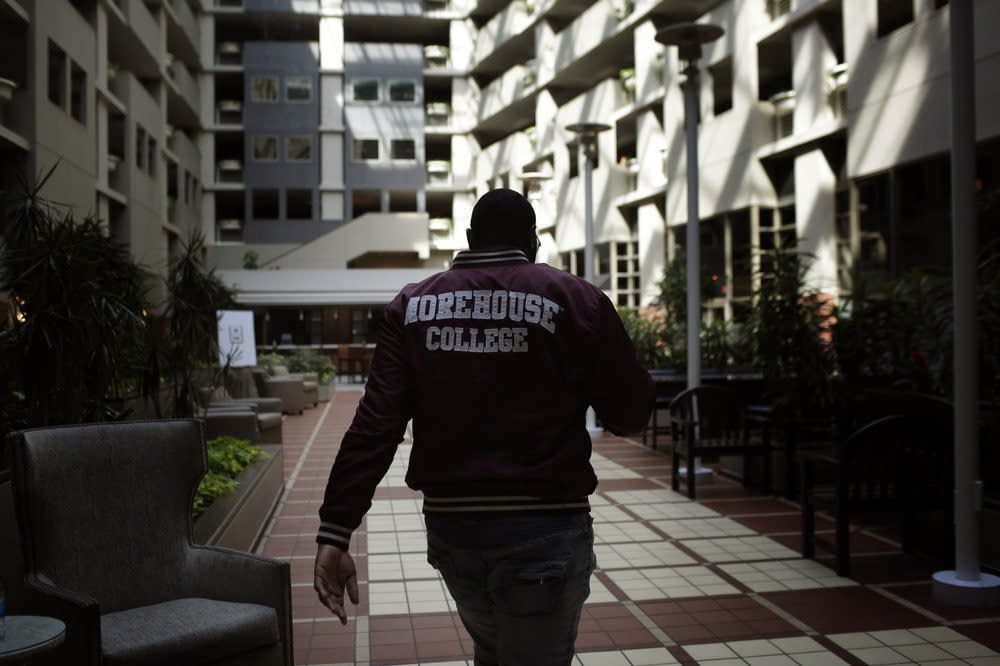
<point>435,56</point>
<point>229,53</point>
<point>837,86</point>
<point>440,225</point>
<point>438,113</point>
<point>438,172</point>
<point>229,171</point>
<point>229,112</point>
<point>776,8</point>
<point>784,113</point>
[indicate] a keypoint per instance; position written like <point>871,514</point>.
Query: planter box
<point>326,390</point>
<point>237,521</point>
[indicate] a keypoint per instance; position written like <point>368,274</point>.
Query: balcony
<point>837,89</point>
<point>144,24</point>
<point>183,101</point>
<point>504,91</point>
<point>778,8</point>
<point>784,113</point>
<point>438,172</point>
<point>229,112</point>
<point>229,172</point>
<point>229,54</point>
<point>438,114</point>
<point>435,56</point>
<point>14,111</point>
<point>182,27</point>
<point>229,230</point>
<point>510,22</point>
<point>440,225</point>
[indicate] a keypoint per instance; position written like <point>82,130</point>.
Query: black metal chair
<point>709,421</point>
<point>897,463</point>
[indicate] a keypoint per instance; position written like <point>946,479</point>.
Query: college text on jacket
<point>482,305</point>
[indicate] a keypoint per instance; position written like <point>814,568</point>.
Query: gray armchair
<point>291,390</point>
<point>104,513</point>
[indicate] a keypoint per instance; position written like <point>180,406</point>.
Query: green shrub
<point>308,360</point>
<point>268,361</point>
<point>227,457</point>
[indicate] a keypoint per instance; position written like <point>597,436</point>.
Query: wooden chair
<point>709,420</point>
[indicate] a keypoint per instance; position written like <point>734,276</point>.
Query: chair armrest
<point>239,424</point>
<point>261,404</point>
<point>81,615</point>
<point>231,407</point>
<point>232,575</point>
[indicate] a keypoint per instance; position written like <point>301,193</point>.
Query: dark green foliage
<point>227,457</point>
<point>309,360</point>
<point>787,330</point>
<point>647,337</point>
<point>194,295</point>
<point>80,302</point>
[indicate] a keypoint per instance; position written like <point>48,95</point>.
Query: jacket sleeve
<point>368,447</point>
<point>621,391</point>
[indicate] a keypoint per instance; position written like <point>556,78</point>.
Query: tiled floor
<point>718,581</point>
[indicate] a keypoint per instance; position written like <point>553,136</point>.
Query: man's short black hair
<point>502,217</point>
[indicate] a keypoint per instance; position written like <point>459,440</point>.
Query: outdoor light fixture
<point>587,133</point>
<point>688,38</point>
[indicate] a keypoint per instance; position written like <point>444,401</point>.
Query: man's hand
<point>334,571</point>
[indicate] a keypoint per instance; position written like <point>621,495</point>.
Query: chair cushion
<point>268,420</point>
<point>188,631</point>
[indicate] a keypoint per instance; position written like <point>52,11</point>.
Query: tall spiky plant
<point>79,313</point>
<point>194,296</point>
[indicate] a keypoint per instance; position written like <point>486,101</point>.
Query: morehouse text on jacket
<point>482,304</point>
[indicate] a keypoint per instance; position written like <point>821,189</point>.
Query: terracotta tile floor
<point>717,581</point>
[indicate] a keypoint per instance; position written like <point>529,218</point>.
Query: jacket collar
<point>467,258</point>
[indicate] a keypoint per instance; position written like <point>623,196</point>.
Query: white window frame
<point>416,91</point>
<point>403,159</point>
<point>277,89</point>
<point>299,79</point>
<point>288,152</point>
<point>263,138</point>
<point>354,151</point>
<point>378,90</point>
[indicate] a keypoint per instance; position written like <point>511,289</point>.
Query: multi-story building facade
<point>345,141</point>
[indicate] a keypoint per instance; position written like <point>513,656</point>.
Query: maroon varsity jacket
<point>496,361</point>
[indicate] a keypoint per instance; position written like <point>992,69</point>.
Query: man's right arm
<point>621,390</point>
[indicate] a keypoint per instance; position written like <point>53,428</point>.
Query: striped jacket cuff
<point>334,535</point>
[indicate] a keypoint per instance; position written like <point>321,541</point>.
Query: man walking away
<point>496,360</point>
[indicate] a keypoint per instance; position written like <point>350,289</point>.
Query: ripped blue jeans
<point>519,581</point>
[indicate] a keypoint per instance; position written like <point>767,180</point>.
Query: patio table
<point>30,635</point>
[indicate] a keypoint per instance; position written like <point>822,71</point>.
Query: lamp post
<point>587,134</point>
<point>966,585</point>
<point>689,37</point>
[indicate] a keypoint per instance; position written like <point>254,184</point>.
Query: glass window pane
<point>365,91</point>
<point>298,89</point>
<point>299,149</point>
<point>264,89</point>
<point>404,149</point>
<point>265,148</point>
<point>78,93</point>
<point>366,149</point>
<point>402,91</point>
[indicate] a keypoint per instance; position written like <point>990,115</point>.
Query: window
<point>151,157</point>
<point>365,90</point>
<point>722,85</point>
<point>265,205</point>
<point>366,149</point>
<point>187,187</point>
<point>299,204</point>
<point>298,149</point>
<point>264,89</point>
<point>402,91</point>
<point>298,89</point>
<point>78,93</point>
<point>573,147</point>
<point>57,75</point>
<point>403,149</point>
<point>140,148</point>
<point>893,14</point>
<point>265,148</point>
